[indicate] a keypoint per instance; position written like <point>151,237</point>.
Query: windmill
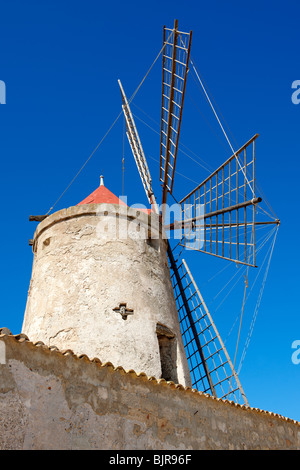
<point>217,217</point>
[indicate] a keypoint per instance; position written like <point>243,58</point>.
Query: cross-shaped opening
<point>123,310</point>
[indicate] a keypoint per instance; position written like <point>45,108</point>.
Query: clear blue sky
<point>61,62</point>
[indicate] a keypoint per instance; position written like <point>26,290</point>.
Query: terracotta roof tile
<point>102,195</point>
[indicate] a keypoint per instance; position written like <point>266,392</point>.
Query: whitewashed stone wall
<point>86,262</point>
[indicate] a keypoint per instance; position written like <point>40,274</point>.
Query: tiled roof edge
<point>22,338</point>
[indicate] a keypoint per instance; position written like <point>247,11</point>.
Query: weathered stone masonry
<point>51,399</point>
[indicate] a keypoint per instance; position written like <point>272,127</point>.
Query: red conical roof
<point>102,195</point>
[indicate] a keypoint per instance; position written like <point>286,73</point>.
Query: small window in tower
<point>168,352</point>
<point>153,242</point>
<point>46,242</point>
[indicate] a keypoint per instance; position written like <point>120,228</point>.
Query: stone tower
<point>101,286</point>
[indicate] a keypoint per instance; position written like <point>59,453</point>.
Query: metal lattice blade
<point>176,54</point>
<point>138,151</point>
<point>210,365</point>
<point>219,215</point>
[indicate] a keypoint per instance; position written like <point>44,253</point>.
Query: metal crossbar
<point>175,67</point>
<point>219,214</point>
<point>209,363</point>
<point>137,151</point>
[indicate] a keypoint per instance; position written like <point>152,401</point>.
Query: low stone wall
<point>51,399</point>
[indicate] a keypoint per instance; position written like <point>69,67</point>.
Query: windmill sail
<point>210,365</point>
<point>219,214</point>
<point>138,151</point>
<point>176,54</point>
